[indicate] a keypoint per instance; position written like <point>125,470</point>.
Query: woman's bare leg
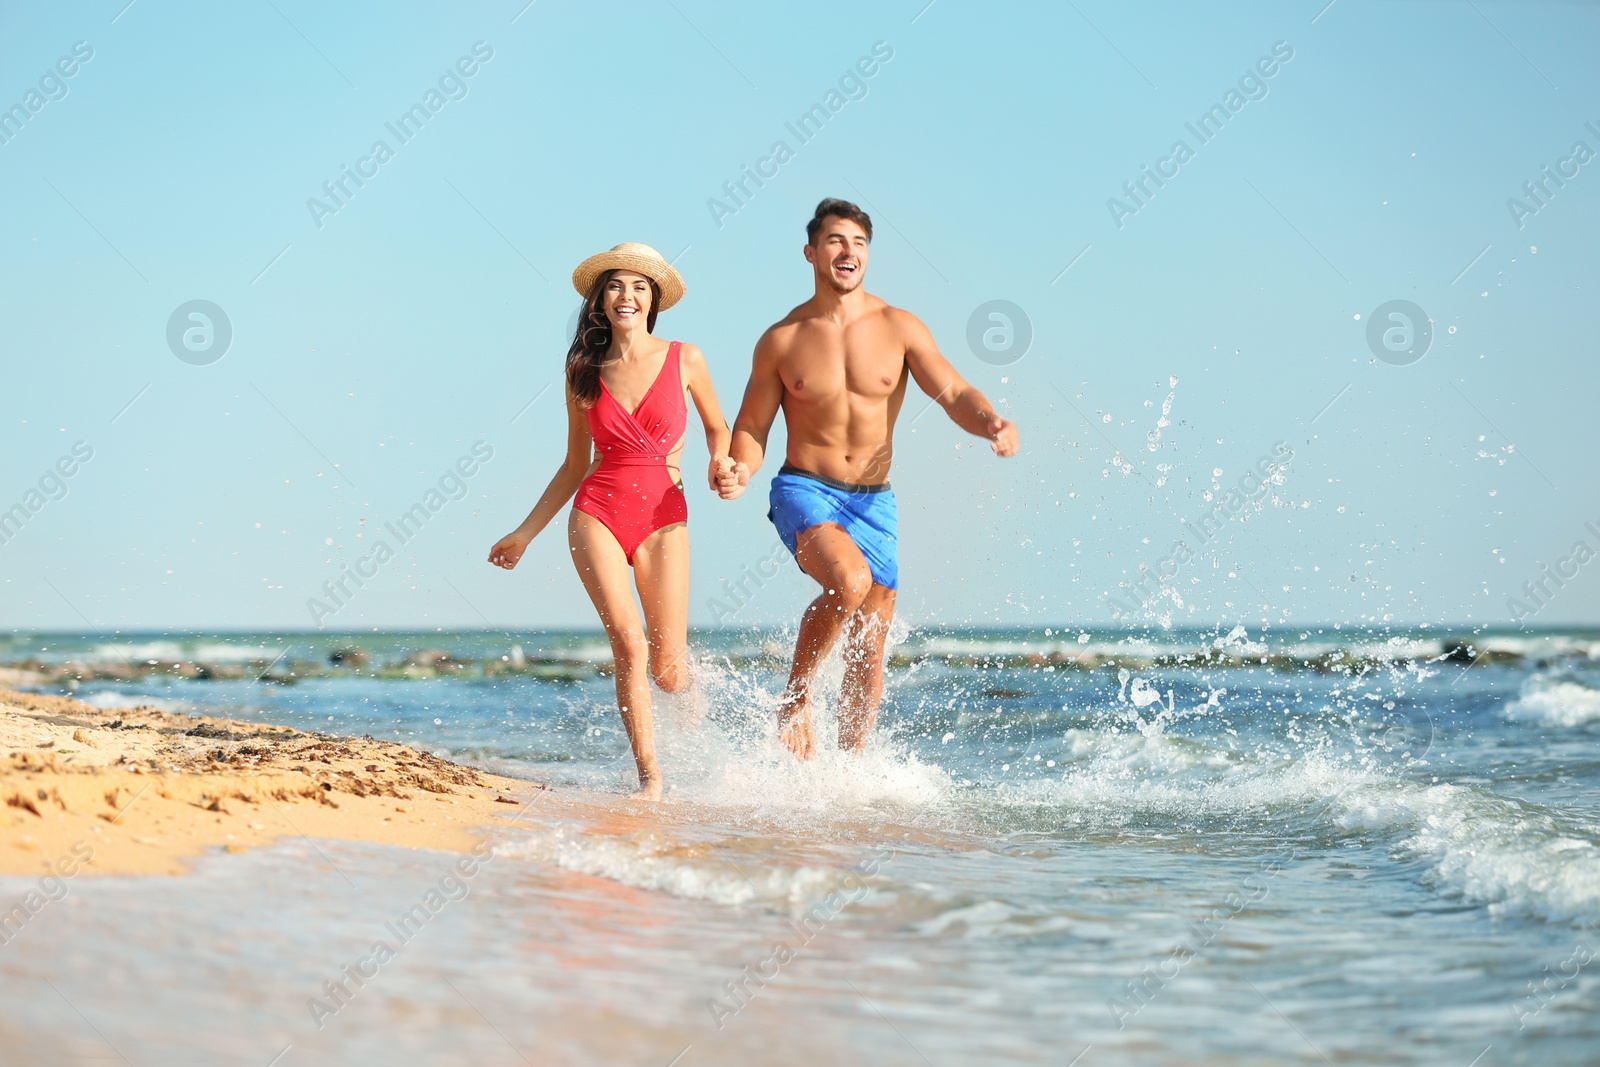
<point>661,571</point>
<point>605,574</point>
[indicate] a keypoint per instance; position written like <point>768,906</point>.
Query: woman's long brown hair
<point>589,345</point>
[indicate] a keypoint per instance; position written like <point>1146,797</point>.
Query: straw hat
<point>630,255</point>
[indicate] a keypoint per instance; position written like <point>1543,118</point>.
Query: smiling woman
<point>627,411</point>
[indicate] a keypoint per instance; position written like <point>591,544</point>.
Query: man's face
<point>839,255</point>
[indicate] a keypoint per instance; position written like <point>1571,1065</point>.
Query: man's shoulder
<point>796,315</point>
<point>782,333</point>
<point>790,329</point>
<point>896,316</point>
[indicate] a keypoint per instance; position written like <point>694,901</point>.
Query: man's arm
<point>967,407</point>
<point>762,398</point>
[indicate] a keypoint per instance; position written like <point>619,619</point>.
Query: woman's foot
<point>650,784</point>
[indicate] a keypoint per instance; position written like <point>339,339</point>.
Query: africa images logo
<point>199,332</point>
<point>1399,332</point>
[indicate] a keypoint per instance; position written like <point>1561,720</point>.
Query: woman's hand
<point>729,477</point>
<point>509,549</point>
<point>720,473</point>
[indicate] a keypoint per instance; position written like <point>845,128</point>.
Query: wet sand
<point>91,790</point>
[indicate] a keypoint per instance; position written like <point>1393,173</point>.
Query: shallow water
<point>1184,864</point>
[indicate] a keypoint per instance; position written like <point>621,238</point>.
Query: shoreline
<point>91,790</point>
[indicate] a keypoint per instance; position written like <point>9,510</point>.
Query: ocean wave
<point>161,651</point>
<point>1397,649</point>
<point>1515,857</point>
<point>1134,781</point>
<point>1555,702</point>
<point>1544,645</point>
<point>113,698</point>
<point>835,783</point>
<point>221,652</point>
<point>1069,642</point>
<point>731,758</point>
<point>1511,856</point>
<point>654,861</point>
<point>993,919</point>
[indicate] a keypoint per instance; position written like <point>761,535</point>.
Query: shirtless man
<point>837,365</point>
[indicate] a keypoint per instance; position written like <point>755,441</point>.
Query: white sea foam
<point>1555,702</point>
<point>1397,648</point>
<point>1551,645</point>
<point>733,759</point>
<point>1128,779</point>
<point>653,860</point>
<point>1127,774</point>
<point>731,767</point>
<point>1512,856</point>
<point>987,919</point>
<point>1238,642</point>
<point>759,776</point>
<point>588,652</point>
<point>220,652</point>
<point>113,698</point>
<point>1068,644</point>
<point>1515,857</point>
<point>161,651</point>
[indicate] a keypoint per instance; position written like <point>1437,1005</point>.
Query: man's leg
<point>831,558</point>
<point>864,638</point>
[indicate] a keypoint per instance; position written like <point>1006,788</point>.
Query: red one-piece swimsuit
<point>633,491</point>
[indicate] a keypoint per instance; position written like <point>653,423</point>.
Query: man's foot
<point>795,729</point>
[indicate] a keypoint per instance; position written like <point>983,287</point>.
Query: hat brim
<point>657,270</point>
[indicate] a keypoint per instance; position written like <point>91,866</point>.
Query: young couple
<point>837,366</point>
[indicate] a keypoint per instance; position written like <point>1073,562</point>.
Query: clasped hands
<point>728,477</point>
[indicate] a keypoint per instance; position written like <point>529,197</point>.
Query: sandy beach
<point>138,790</point>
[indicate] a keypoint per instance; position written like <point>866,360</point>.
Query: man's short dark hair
<point>835,208</point>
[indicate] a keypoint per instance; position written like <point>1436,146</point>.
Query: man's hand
<point>1002,436</point>
<point>729,477</point>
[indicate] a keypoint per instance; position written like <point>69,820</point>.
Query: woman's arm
<point>574,469</point>
<point>697,376</point>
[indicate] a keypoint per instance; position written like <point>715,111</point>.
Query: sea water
<point>1194,852</point>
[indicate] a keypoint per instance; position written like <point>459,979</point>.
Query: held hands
<point>728,478</point>
<point>509,549</point>
<point>1002,436</point>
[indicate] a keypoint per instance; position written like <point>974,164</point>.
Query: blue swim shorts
<point>801,500</point>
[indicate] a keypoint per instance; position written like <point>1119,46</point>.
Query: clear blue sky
<point>370,353</point>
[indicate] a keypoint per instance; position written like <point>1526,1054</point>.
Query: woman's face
<point>627,299</point>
